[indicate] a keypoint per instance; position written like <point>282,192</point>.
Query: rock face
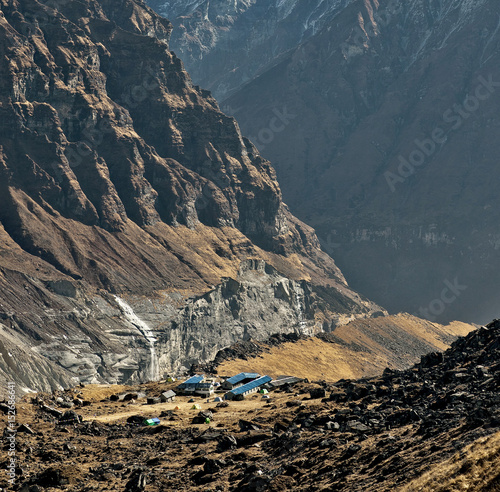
<point>258,303</point>
<point>388,147</point>
<point>118,176</point>
<point>227,43</point>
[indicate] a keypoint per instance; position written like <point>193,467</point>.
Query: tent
<point>217,398</point>
<point>177,407</point>
<point>265,397</point>
<point>154,421</point>
<point>196,407</point>
<point>264,391</point>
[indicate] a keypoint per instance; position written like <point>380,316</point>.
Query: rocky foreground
<point>381,433</point>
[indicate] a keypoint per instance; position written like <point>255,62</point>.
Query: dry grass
<point>370,346</point>
<point>312,358</point>
<point>97,392</point>
<point>475,469</point>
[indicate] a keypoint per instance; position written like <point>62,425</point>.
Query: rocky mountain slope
<point>227,43</point>
<point>363,347</point>
<point>382,127</point>
<point>432,427</point>
<point>140,232</point>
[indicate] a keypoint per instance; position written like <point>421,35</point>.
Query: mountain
<point>389,152</point>
<point>382,128</point>
<point>434,427</point>
<point>227,43</point>
<point>140,232</point>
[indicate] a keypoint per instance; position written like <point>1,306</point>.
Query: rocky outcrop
<point>119,177</point>
<point>258,303</point>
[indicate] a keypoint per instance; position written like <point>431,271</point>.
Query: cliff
<point>128,201</point>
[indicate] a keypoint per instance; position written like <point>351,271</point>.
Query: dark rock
<point>253,437</point>
<point>202,417</point>
<point>213,466</point>
<point>328,443</point>
<point>70,417</point>
<point>338,395</point>
<point>130,396</point>
<point>137,483</point>
<point>316,393</point>
<point>208,436</point>
<point>52,411</point>
<point>431,360</point>
<point>226,442</point>
<point>353,449</point>
<point>246,425</point>
<point>280,427</point>
<point>355,426</point>
<point>254,484</point>
<point>25,428</point>
<point>135,420</point>
<point>58,477</point>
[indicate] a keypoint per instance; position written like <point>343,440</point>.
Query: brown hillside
<point>361,348</point>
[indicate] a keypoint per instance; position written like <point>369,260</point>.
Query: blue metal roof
<point>241,376</point>
<point>192,380</point>
<point>251,385</point>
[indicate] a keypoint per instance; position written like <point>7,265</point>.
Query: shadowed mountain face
<point>226,43</point>
<point>118,175</point>
<point>383,129</point>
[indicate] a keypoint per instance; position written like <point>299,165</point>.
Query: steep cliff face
<point>227,43</point>
<point>256,304</point>
<point>118,176</point>
<point>389,147</point>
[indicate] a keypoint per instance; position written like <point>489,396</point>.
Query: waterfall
<point>298,306</point>
<point>152,371</point>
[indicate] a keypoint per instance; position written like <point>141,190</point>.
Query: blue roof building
<point>239,380</point>
<point>248,389</point>
<point>190,385</point>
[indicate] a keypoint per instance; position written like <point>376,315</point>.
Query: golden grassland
<point>365,348</point>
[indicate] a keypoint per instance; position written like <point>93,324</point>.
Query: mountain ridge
<point>391,155</point>
<point>119,176</point>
